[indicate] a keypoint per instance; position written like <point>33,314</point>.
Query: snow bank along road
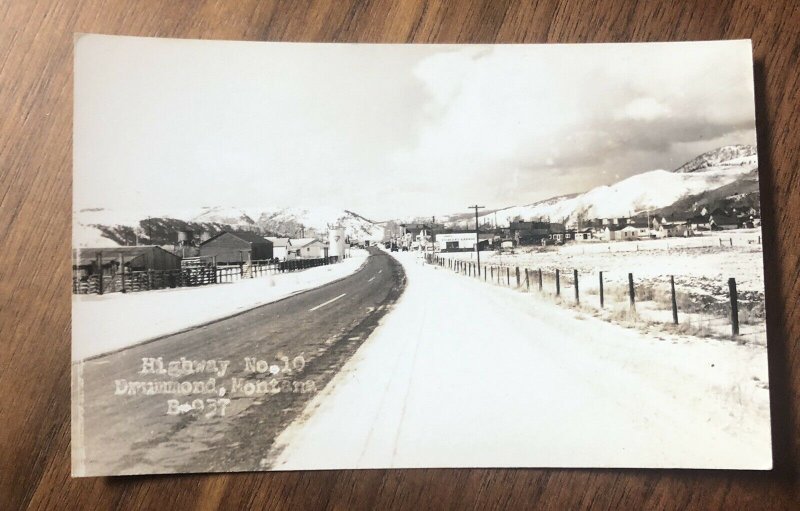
<point>105,323</point>
<point>466,374</point>
<point>271,360</point>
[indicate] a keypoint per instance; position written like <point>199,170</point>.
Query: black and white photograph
<point>312,256</point>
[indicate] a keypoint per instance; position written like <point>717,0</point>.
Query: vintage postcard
<point>338,256</point>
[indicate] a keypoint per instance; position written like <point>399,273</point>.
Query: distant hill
<point>740,195</point>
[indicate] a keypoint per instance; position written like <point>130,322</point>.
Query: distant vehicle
<point>387,244</point>
<point>394,247</point>
<point>405,248</point>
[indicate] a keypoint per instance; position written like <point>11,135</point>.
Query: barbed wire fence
<point>630,300</point>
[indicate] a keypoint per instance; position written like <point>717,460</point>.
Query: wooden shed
<point>236,247</point>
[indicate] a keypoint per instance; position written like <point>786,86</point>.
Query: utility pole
<point>478,236</point>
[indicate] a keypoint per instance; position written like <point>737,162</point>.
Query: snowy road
<point>462,373</point>
<point>129,433</point>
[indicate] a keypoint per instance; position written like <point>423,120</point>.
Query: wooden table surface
<point>35,190</point>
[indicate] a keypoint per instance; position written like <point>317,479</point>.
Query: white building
<point>280,247</point>
<point>308,248</point>
<point>459,240</point>
<point>633,232</point>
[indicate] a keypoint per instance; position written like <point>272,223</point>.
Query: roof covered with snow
<point>247,236</point>
<point>302,242</point>
<point>278,242</point>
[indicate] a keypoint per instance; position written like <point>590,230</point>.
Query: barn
<point>87,261</point>
<point>236,247</point>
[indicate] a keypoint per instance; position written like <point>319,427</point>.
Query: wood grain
<point>35,187</point>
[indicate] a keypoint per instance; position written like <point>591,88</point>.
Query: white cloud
<point>390,130</point>
<point>547,111</point>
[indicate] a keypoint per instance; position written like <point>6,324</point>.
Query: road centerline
<point>312,309</point>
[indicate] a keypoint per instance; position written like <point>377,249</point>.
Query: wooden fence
<point>147,280</point>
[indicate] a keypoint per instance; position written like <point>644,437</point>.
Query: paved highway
<point>269,360</point>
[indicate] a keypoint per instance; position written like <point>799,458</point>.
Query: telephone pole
<point>477,236</point>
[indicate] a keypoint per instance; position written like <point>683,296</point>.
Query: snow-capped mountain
<point>642,192</point>
<point>725,156</point>
<point>103,227</point>
<point>317,221</point>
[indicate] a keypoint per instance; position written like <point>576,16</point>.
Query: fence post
<point>527,281</point>
<point>558,282</point>
<point>484,273</point>
<point>508,276</point>
<point>674,302</point>
<point>541,283</point>
<point>602,298</point>
<point>734,306</point>
<point>517,272</point>
<point>491,268</point>
<point>577,295</point>
<point>99,256</point>
<point>631,293</point>
<point>122,271</point>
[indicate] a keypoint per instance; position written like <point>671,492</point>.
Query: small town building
<point>632,232</point>
<point>462,241</point>
<point>308,248</point>
<point>699,223</point>
<point>719,222</point>
<point>528,233</point>
<point>671,230</point>
<point>236,247</point>
<point>611,232</point>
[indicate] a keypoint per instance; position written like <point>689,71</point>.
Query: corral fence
<point>127,281</point>
<point>624,298</point>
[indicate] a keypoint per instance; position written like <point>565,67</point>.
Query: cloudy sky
<point>391,130</point>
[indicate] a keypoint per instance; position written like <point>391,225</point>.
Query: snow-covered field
<point>103,323</point>
<point>696,257</point>
<point>462,373</point>
<point>701,268</point>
